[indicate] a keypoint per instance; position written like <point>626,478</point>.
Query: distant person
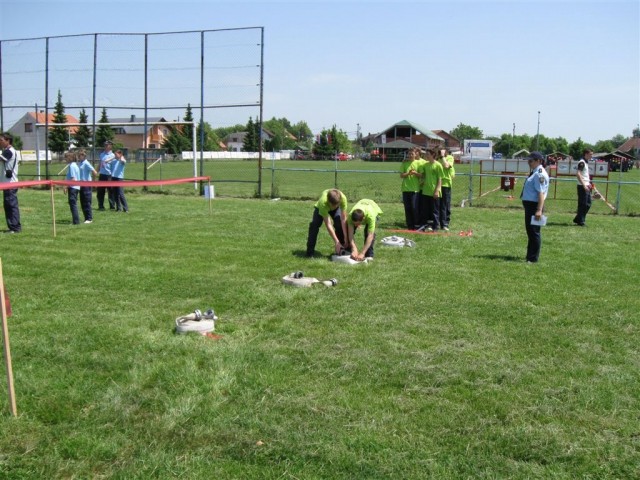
<point>365,212</point>
<point>448,174</point>
<point>106,157</point>
<point>584,188</point>
<point>72,191</point>
<point>87,172</point>
<point>9,161</point>
<point>331,208</point>
<point>534,193</point>
<point>410,189</point>
<point>431,174</point>
<point>117,175</point>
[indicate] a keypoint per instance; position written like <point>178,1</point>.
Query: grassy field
<point>300,180</point>
<point>451,360</point>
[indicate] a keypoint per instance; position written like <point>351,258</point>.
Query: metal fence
<point>218,73</point>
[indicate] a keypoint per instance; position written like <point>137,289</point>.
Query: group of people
<point>331,209</point>
<point>426,189</point>
<point>112,165</point>
<point>534,194</point>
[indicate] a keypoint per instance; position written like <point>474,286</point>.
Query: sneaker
<point>428,229</point>
<point>446,229</point>
<point>88,221</point>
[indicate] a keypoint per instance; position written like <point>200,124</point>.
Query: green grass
<point>299,180</point>
<point>452,360</point>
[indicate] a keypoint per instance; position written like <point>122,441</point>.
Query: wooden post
<point>7,349</point>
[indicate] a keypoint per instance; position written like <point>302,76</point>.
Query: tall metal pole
<point>93,101</point>
<point>201,110</point>
<point>46,111</point>
<point>146,104</point>
<point>1,104</point>
<point>538,133</point>
<point>261,102</point>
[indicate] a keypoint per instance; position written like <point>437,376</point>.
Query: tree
<point>465,132</point>
<point>82,137</point>
<point>576,149</point>
<point>252,137</point>
<point>17,142</point>
<point>618,140</point>
<point>604,146</point>
<point>331,142</point>
<point>59,135</point>
<point>104,132</point>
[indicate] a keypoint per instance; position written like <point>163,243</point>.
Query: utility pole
<point>538,134</point>
<point>512,140</point>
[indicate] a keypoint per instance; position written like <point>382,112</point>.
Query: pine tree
<point>187,129</point>
<point>250,143</point>
<point>82,137</point>
<point>59,135</point>
<point>104,132</point>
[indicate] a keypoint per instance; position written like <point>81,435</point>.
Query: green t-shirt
<point>411,183</point>
<point>324,207</point>
<point>371,211</point>
<point>432,172</point>
<point>448,173</point>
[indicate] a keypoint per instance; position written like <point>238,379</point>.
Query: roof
<point>632,143</point>
<point>134,129</point>
<point>406,123</point>
<point>40,117</point>
<point>398,144</point>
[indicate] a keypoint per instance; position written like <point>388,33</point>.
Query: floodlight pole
<point>538,134</point>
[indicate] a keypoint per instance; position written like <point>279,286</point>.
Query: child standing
<point>431,175</point>
<point>410,189</point>
<point>86,173</point>
<point>117,175</point>
<point>448,174</point>
<point>73,173</point>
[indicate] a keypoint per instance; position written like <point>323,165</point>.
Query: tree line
<point>281,134</point>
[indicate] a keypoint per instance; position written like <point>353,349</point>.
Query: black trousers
<point>533,231</point>
<point>73,204</point>
<point>12,210</point>
<point>410,202</point>
<point>584,205</point>
<point>445,207</point>
<point>316,223</point>
<point>101,191</point>
<point>85,202</point>
<point>430,211</point>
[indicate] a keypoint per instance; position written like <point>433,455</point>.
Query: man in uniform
<point>9,162</point>
<point>584,188</point>
<point>534,193</point>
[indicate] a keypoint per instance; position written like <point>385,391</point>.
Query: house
<point>25,128</point>
<point>410,132</point>
<point>132,136</point>
<point>450,142</point>
<point>235,141</point>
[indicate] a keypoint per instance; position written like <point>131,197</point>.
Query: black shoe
<point>102,209</point>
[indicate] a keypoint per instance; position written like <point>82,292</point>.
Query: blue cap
<point>536,156</point>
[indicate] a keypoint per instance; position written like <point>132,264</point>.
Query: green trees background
<point>282,134</point>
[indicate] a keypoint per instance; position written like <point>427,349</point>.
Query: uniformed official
<point>534,192</point>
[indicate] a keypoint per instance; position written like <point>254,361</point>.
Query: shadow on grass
<point>504,258</point>
<point>303,254</point>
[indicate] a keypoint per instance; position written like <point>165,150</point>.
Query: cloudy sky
<point>489,64</point>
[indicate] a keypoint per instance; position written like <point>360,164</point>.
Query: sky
<point>567,69</point>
